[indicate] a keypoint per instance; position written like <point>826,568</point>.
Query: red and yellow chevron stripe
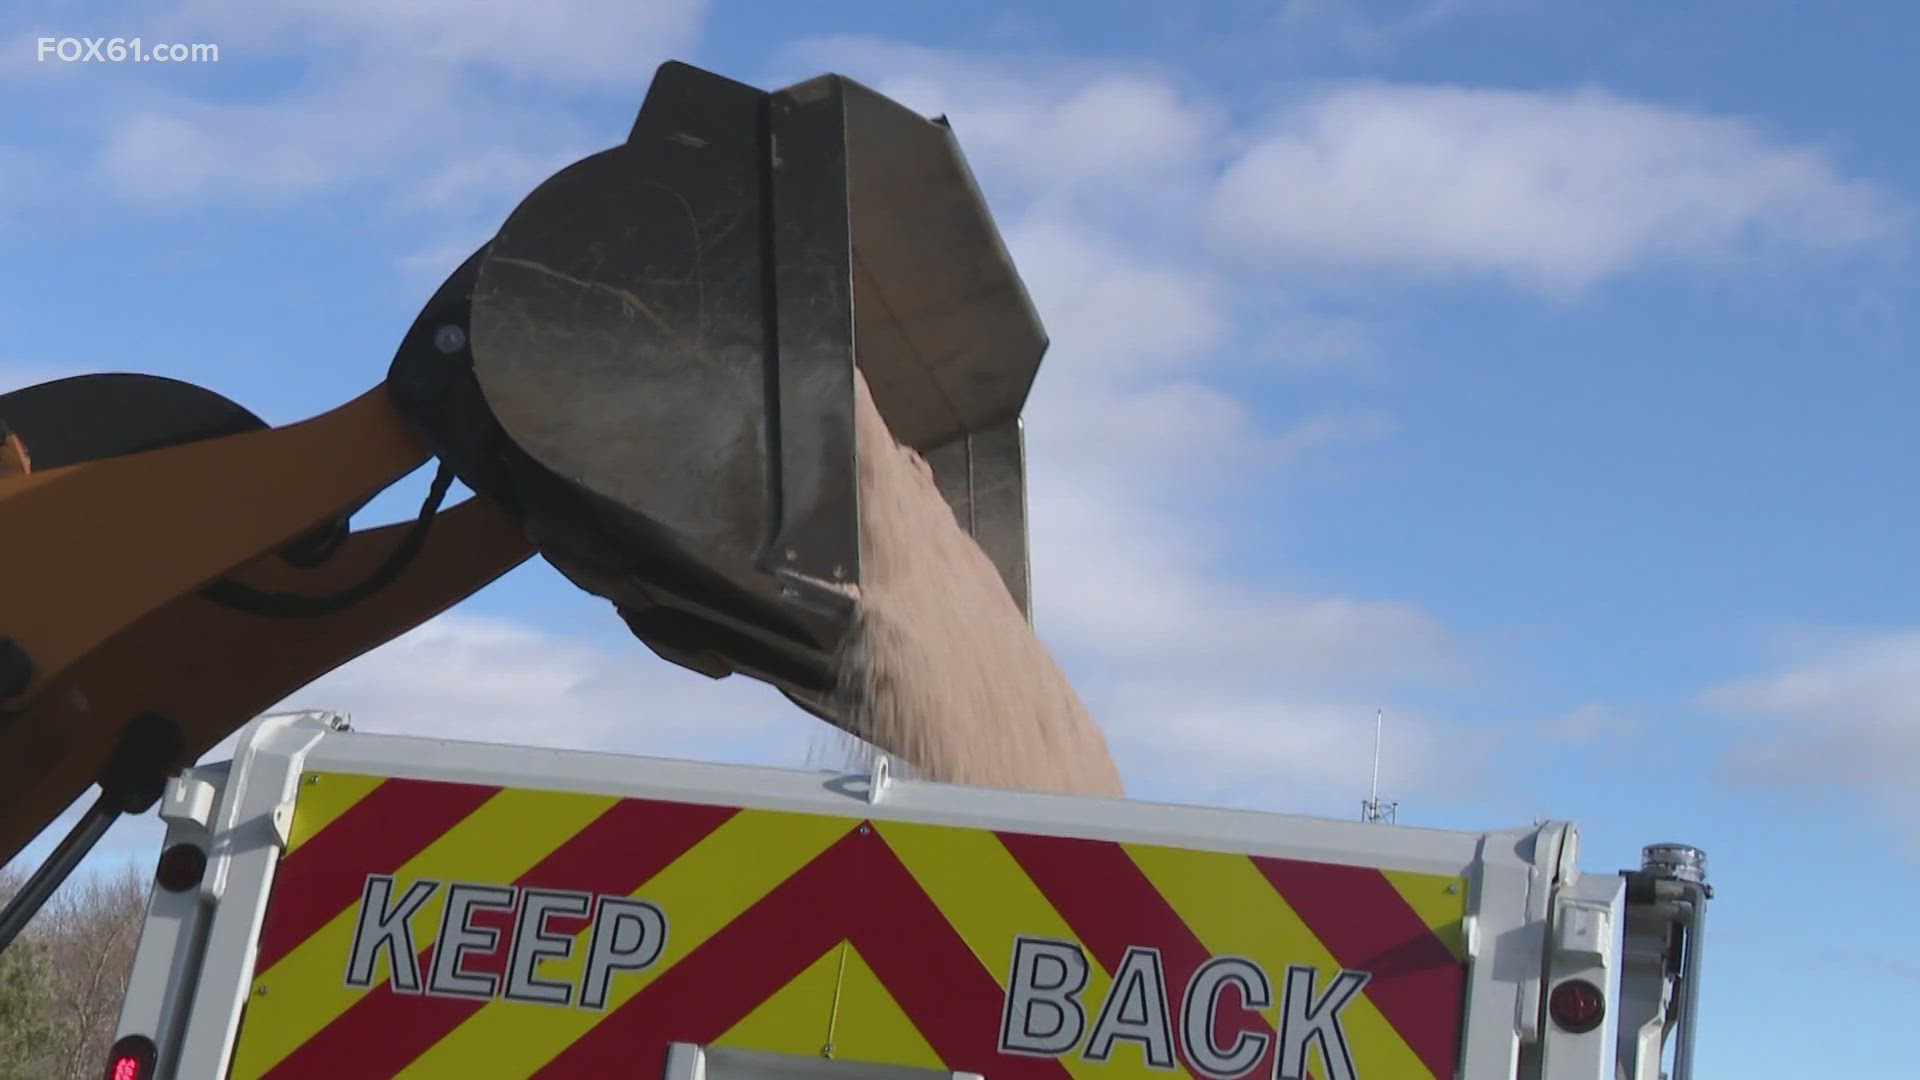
<point>589,932</point>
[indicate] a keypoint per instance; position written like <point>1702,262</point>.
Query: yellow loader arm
<point>107,618</point>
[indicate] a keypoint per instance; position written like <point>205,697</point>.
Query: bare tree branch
<point>62,982</point>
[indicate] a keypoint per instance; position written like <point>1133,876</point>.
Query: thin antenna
<point>1379,726</point>
<point>1373,810</point>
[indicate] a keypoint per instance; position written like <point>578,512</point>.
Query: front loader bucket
<point>653,362</point>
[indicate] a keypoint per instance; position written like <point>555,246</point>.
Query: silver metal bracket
<point>879,777</point>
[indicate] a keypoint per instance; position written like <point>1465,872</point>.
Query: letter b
<point>1044,1016</point>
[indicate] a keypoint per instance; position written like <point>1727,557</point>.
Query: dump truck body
<point>377,906</point>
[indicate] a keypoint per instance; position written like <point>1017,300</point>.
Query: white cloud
<point>162,157</point>
<point>463,676</point>
<point>1127,435</point>
<point>568,41</point>
<point>1841,713</point>
<point>1129,584</point>
<point>1267,748</point>
<point>1560,190</point>
<point>428,141</point>
<point>1845,711</point>
<point>452,110</point>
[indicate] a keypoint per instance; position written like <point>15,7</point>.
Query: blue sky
<point>1537,372</point>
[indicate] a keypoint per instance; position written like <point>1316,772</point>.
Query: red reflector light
<point>1577,1006</point>
<point>181,867</point>
<point>133,1059</point>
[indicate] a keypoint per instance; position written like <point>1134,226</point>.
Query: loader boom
<point>106,619</point>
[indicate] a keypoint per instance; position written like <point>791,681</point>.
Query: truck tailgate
<point>432,928</point>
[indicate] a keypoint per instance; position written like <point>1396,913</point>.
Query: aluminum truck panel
<point>428,927</point>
